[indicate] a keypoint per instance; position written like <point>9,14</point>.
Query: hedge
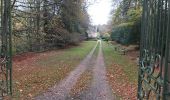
<point>126,33</point>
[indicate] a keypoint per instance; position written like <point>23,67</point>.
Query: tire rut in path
<point>100,89</point>
<point>61,90</point>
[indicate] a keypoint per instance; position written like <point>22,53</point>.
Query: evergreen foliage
<point>126,22</point>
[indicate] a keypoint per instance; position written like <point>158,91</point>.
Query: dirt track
<point>98,89</point>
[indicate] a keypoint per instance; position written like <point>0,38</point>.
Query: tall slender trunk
<point>38,24</point>
<point>45,15</point>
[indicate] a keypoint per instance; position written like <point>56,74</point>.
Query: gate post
<point>5,49</point>
<point>166,88</point>
<point>154,64</point>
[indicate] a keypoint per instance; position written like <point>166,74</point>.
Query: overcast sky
<point>100,12</point>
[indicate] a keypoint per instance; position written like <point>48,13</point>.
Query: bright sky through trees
<point>100,11</point>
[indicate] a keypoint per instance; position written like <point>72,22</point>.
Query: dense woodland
<point>126,21</point>
<point>47,24</point>
<point>40,25</point>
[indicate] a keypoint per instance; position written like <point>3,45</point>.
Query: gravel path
<point>100,89</point>
<point>61,91</point>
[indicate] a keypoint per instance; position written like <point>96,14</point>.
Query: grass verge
<point>35,75</point>
<point>121,73</point>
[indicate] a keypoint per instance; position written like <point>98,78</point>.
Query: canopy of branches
<point>44,24</point>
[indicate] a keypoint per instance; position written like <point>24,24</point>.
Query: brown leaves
<point>32,78</point>
<point>34,73</point>
<point>121,85</point>
<point>82,83</point>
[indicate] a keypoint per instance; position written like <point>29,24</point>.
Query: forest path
<point>99,88</point>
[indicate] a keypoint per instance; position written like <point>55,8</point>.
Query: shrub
<point>126,33</point>
<point>106,37</point>
<point>60,37</point>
